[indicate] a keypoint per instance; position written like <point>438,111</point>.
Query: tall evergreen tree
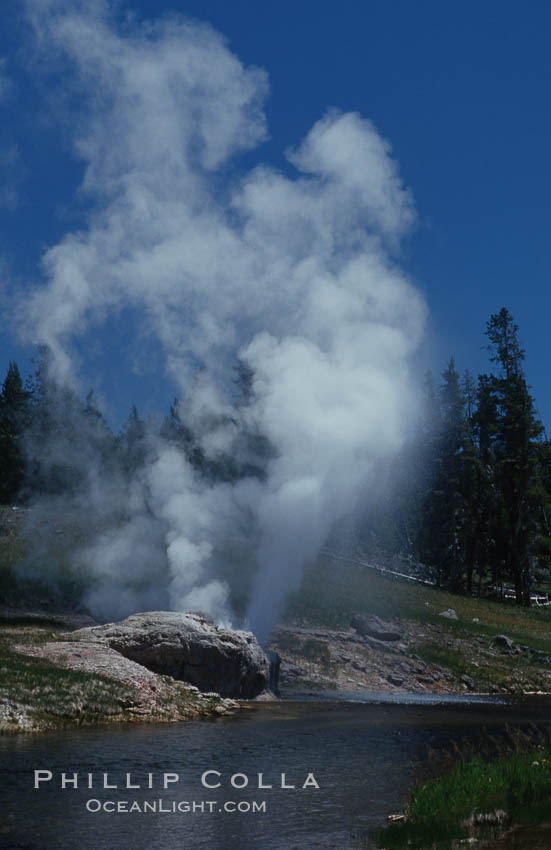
<point>517,448</point>
<point>445,514</point>
<point>67,442</point>
<point>96,435</point>
<point>480,531</point>
<point>54,457</point>
<point>453,474</point>
<point>430,497</point>
<point>132,443</point>
<point>468,388</point>
<point>176,432</point>
<point>14,419</point>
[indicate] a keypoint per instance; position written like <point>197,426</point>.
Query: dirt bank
<point>426,659</point>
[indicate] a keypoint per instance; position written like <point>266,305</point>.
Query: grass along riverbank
<point>36,693</point>
<point>81,687</point>
<point>473,800</point>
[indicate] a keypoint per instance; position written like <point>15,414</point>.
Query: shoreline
<point>317,663</point>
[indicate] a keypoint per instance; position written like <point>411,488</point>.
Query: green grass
<point>451,658</point>
<point>54,694</point>
<point>332,593</point>
<point>36,693</point>
<point>440,810</point>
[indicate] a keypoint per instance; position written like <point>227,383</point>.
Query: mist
<point>294,273</point>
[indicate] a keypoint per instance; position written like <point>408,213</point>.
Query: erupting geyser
<point>291,271</point>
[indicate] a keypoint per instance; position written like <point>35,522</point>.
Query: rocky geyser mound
<point>189,648</point>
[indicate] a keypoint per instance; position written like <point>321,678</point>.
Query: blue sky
<point>461,92</point>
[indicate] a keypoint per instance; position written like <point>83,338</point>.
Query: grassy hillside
<point>331,593</point>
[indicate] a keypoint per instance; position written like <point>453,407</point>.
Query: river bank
<point>428,642</point>
<point>352,630</point>
<point>49,682</point>
<point>425,660</point>
<point>365,757</point>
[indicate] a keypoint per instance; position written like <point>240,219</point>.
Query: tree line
<point>469,494</point>
<point>52,443</point>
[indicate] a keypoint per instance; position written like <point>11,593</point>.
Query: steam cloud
<point>292,272</point>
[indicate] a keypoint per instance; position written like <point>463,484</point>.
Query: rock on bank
<point>189,648</point>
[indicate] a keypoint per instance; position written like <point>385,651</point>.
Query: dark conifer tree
<point>132,443</point>
<point>96,435</point>
<point>430,498</point>
<point>54,457</point>
<point>177,433</point>
<point>445,514</point>
<point>452,470</point>
<point>468,388</point>
<point>14,419</point>
<point>67,442</point>
<point>516,451</point>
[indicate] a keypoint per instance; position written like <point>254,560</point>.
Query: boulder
<point>450,613</point>
<point>189,648</point>
<point>371,626</point>
<point>503,640</point>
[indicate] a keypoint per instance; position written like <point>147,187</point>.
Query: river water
<point>363,755</point>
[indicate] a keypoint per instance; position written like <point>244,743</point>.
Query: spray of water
<point>293,272</point>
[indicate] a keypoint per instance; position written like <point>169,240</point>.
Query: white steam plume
<point>293,273</point>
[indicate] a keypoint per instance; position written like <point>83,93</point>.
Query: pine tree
<point>480,532</point>
<point>452,471</point>
<point>96,436</point>
<point>516,450</point>
<point>445,520</point>
<point>55,460</point>
<point>14,418</point>
<point>67,442</point>
<point>468,388</point>
<point>132,443</point>
<point>430,497</point>
<point>177,433</point>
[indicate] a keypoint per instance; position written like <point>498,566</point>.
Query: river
<point>363,755</point>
